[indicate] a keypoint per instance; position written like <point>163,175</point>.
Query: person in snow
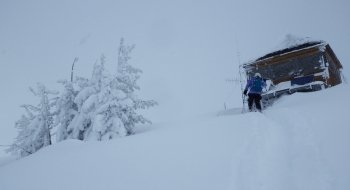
<point>255,86</point>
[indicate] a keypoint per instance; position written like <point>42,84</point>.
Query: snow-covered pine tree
<point>107,103</point>
<point>98,118</point>
<point>66,110</point>
<point>116,114</point>
<point>85,102</point>
<point>34,129</point>
<point>127,77</point>
<point>106,122</point>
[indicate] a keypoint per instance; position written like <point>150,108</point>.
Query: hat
<point>257,75</point>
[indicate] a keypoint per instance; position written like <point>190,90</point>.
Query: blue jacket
<point>250,84</point>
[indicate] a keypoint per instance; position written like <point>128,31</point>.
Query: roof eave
<point>321,46</point>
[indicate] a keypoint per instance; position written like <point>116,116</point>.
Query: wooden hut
<point>298,57</point>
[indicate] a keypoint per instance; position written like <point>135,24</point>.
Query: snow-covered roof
<point>290,43</point>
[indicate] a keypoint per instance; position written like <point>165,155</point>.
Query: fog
<point>186,49</point>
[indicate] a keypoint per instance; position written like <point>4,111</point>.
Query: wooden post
<point>75,60</point>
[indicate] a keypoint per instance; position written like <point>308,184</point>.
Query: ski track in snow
<point>305,151</point>
<point>278,151</point>
<point>260,163</point>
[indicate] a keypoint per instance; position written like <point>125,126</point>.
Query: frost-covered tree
<point>35,129</point>
<point>107,103</point>
<point>80,126</point>
<point>127,77</point>
<point>66,110</point>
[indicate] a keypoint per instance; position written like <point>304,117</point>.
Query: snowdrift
<point>302,142</point>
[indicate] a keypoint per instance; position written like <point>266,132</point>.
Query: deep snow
<point>302,142</point>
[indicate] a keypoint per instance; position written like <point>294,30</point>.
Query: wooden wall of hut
<point>306,62</point>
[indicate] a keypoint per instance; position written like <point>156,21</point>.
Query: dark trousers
<point>254,98</point>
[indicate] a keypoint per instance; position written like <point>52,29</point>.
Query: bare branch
<point>18,147</point>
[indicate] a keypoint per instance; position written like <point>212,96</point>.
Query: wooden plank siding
<point>283,58</point>
<point>334,67</point>
<point>332,55</point>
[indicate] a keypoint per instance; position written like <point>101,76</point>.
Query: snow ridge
<point>302,142</point>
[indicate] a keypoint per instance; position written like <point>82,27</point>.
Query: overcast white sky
<point>185,48</point>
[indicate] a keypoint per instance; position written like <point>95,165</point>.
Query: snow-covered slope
<point>300,143</point>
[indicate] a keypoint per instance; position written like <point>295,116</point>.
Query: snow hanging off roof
<point>291,40</point>
<point>288,43</point>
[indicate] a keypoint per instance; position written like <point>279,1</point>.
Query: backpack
<point>257,84</point>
